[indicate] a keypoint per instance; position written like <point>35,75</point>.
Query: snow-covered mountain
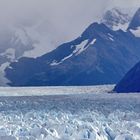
<point>118,18</point>
<point>131,81</point>
<point>14,42</point>
<point>98,56</point>
<point>26,41</point>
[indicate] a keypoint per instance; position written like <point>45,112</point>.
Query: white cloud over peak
<point>68,17</point>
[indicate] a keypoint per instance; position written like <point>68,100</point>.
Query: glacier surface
<point>68,113</point>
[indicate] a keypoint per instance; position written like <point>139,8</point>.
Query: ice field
<point>68,113</point>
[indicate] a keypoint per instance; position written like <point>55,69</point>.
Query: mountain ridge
<point>95,65</point>
<point>97,56</point>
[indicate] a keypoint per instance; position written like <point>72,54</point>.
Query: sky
<point>67,17</point>
<point>63,13</point>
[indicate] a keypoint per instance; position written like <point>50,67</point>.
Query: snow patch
<point>9,53</point>
<point>110,37</point>
<point>136,32</point>
<point>3,79</point>
<point>121,26</point>
<point>54,63</point>
<point>93,42</point>
<point>67,57</point>
<point>80,48</point>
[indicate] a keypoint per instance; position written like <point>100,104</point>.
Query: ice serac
<point>98,56</point>
<point>95,115</point>
<point>131,81</point>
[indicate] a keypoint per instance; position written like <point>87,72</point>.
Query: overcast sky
<point>70,17</point>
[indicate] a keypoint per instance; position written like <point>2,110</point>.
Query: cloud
<point>125,3</point>
<point>70,17</point>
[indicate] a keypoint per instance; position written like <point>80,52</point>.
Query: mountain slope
<point>134,26</point>
<point>14,43</point>
<point>21,40</point>
<point>135,20</point>
<point>131,81</point>
<point>98,56</point>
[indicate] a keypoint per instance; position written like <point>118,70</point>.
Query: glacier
<point>68,113</point>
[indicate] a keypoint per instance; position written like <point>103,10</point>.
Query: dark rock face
<point>98,56</point>
<point>131,81</point>
<point>135,21</point>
